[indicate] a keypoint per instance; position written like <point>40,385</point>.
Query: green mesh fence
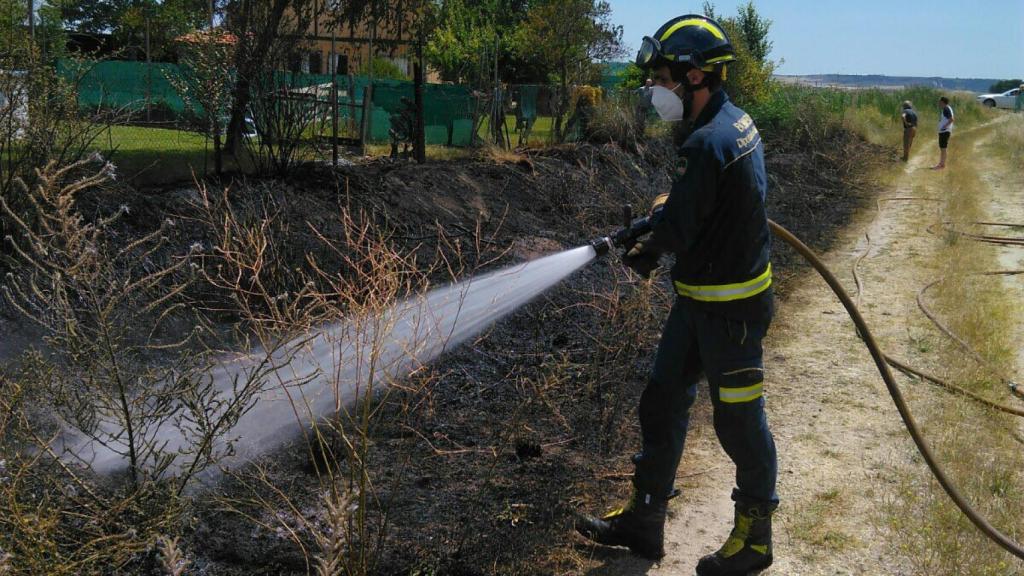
<point>526,101</point>
<point>448,109</point>
<point>123,85</point>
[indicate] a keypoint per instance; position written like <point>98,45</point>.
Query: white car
<point>1007,99</point>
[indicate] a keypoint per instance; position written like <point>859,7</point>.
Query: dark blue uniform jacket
<point>714,220</point>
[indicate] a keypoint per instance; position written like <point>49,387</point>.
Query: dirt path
<point>840,440</point>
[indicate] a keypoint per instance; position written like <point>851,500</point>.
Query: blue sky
<point>980,39</point>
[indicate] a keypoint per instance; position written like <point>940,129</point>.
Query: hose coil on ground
<point>882,363</point>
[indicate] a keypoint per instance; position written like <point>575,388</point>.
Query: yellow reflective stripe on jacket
<point>727,292</point>
<point>737,395</point>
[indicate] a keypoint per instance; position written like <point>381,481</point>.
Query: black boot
<point>748,549</point>
<point>639,526</point>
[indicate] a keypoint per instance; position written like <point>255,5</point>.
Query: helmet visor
<point>650,49</point>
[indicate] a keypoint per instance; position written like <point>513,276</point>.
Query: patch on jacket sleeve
<point>681,166</point>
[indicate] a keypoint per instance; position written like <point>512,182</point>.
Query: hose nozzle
<point>601,245</point>
<point>626,236</point>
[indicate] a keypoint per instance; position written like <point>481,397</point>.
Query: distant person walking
<point>643,105</point>
<point>1020,99</point>
<point>909,127</point>
<point>945,130</point>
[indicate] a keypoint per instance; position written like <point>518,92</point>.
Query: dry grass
<point>1010,144</point>
<point>874,126</point>
<point>498,155</point>
<point>974,443</point>
<point>817,523</point>
<point>344,532</point>
<point>172,560</point>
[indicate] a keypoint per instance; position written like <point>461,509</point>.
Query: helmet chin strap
<point>688,91</point>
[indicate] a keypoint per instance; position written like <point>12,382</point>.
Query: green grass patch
<point>540,134</point>
<point>147,155</point>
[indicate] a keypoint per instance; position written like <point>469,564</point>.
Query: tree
<point>569,37</point>
<point>265,30</point>
<point>749,78</point>
<point>754,30</point>
<point>127,21</point>
<point>471,33</point>
<point>633,77</point>
<point>455,47</point>
<point>708,9</point>
<point>205,81</point>
<point>1004,85</point>
<point>14,32</point>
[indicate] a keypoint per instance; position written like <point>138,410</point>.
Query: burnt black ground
<point>480,460</point>
<point>482,465</point>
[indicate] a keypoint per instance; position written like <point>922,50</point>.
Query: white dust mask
<point>668,105</point>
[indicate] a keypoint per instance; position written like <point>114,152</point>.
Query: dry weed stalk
<point>617,120</point>
<point>116,377</point>
<point>86,297</point>
<point>117,371</point>
<point>625,316</point>
<point>245,265</point>
<point>355,282</point>
<point>172,559</point>
<point>332,540</point>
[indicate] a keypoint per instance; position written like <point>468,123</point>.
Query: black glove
<point>643,257</point>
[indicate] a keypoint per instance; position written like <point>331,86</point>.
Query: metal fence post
<point>367,118</point>
<point>351,105</point>
<point>149,74</point>
<point>420,144</point>
<point>334,96</point>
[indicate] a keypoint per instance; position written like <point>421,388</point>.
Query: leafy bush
<point>749,79</point>
<point>616,120</point>
<point>632,77</point>
<point>592,94</point>
<point>384,68</point>
<point>1004,85</point>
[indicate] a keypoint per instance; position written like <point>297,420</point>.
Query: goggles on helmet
<point>650,51</point>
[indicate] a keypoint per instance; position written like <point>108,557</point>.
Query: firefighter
<point>713,221</point>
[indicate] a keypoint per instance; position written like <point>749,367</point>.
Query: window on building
<point>295,62</point>
<point>341,63</point>
<point>316,62</point>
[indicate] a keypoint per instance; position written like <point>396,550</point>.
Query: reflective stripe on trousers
<point>737,395</point>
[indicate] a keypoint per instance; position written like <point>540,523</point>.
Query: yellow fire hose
<point>882,363</point>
